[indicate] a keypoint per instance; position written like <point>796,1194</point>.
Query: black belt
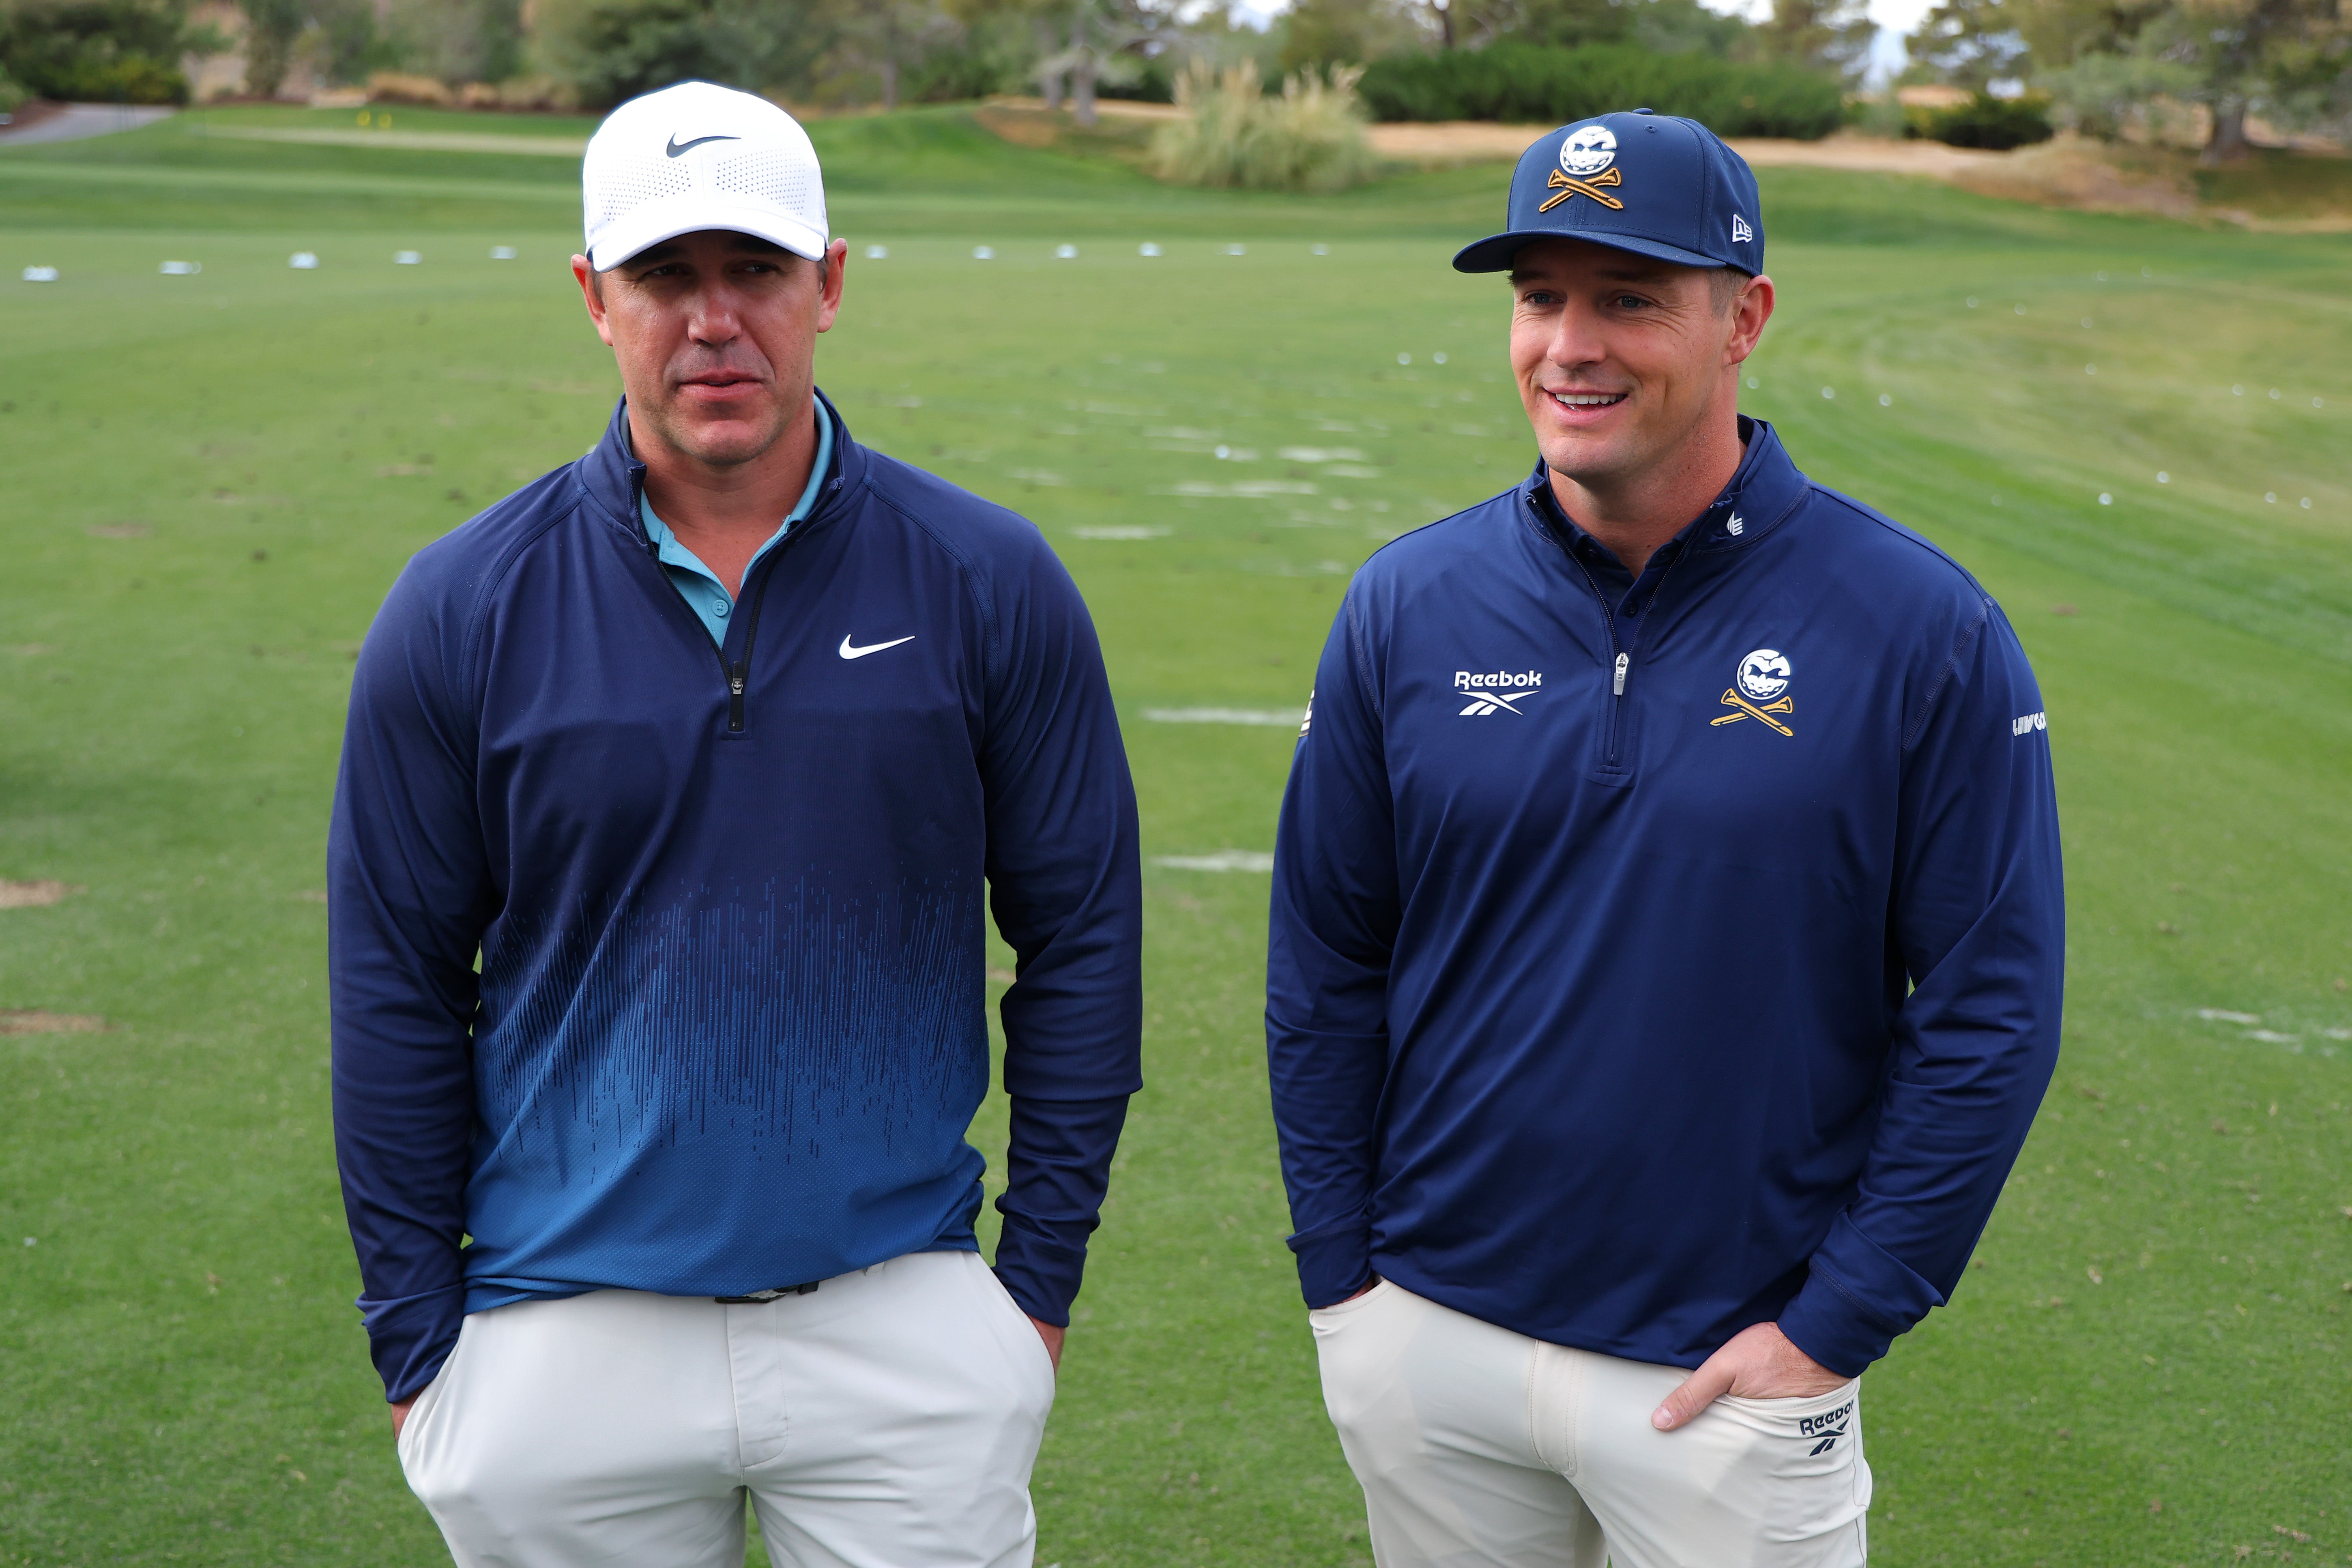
<point>761,1297</point>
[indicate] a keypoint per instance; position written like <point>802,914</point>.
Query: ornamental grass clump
<point>1309,138</point>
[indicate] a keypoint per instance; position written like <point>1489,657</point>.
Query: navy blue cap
<point>1650,184</point>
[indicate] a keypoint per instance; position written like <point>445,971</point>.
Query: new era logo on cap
<point>1646,183</point>
<point>697,156</point>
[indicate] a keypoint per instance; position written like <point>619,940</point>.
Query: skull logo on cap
<point>1587,150</point>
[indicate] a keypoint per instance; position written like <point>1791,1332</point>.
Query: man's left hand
<point>1052,1338</point>
<point>1756,1362</point>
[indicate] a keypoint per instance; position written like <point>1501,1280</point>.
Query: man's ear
<point>1750,311</point>
<point>828,305</point>
<point>592,294</point>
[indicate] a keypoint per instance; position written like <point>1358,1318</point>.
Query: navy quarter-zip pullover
<point>727,1029</point>
<point>1653,959</point>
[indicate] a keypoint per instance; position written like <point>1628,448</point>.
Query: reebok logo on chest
<point>1494,691</point>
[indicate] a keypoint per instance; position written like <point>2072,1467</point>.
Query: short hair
<point>1725,284</point>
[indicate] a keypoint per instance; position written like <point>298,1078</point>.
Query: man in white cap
<point>656,943</point>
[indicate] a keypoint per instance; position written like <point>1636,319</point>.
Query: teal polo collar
<point>696,582</point>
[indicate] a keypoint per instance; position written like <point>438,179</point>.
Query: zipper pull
<point>1618,689</point>
<point>736,675</point>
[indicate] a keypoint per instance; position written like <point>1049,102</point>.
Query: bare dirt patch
<point>2294,190</point>
<point>1440,143</point>
<point>2300,189</point>
<point>550,146</point>
<point>34,895</point>
<point>1122,131</point>
<point>1445,143</point>
<point>2087,176</point>
<point>1864,154</point>
<point>33,1021</point>
<point>1105,108</point>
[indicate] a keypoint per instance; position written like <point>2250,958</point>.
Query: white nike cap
<point>697,156</point>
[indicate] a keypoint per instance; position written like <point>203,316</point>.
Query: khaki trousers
<point>1478,1448</point>
<point>887,1419</point>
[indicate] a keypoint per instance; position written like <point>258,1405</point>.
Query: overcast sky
<point>1894,18</point>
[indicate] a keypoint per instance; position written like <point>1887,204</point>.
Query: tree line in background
<point>2140,67</point>
<point>2109,67</point>
<point>1448,58</point>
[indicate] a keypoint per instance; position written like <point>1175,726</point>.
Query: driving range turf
<point>213,479</point>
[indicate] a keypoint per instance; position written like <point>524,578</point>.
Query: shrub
<point>12,96</point>
<point>1310,137</point>
<point>455,41</point>
<point>1995,124</point>
<point>953,75</point>
<point>1527,83</point>
<point>403,87</point>
<point>111,51</point>
<point>2101,94</point>
<point>1152,81</point>
<point>611,50</point>
<point>123,79</point>
<point>538,92</point>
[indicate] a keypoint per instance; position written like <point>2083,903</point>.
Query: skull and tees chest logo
<point>1759,691</point>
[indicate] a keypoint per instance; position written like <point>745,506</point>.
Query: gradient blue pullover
<point>728,1029</point>
<point>1653,959</point>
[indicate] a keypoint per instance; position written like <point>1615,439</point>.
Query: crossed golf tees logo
<point>1763,675</point>
<point>1585,155</point>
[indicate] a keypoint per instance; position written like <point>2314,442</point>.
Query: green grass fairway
<point>211,481</point>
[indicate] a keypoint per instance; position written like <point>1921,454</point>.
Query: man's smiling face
<point>1620,359</point>
<point>715,334</point>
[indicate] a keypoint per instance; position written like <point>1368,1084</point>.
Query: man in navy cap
<point>1667,932</point>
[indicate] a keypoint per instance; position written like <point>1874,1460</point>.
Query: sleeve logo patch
<point>2026,723</point>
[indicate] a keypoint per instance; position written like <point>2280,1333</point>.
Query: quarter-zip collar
<point>1762,493</point>
<point>613,480</point>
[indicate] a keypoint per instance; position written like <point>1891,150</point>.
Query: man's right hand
<point>400,1416</point>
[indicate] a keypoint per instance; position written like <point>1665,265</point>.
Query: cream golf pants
<point>887,1419</point>
<point>1478,1448</point>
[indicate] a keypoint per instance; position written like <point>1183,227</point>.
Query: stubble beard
<point>720,443</point>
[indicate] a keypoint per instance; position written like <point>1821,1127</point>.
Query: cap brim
<point>1494,253</point>
<point>690,213</point>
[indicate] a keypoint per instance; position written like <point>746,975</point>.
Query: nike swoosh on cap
<point>677,147</point>
<point>848,650</point>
